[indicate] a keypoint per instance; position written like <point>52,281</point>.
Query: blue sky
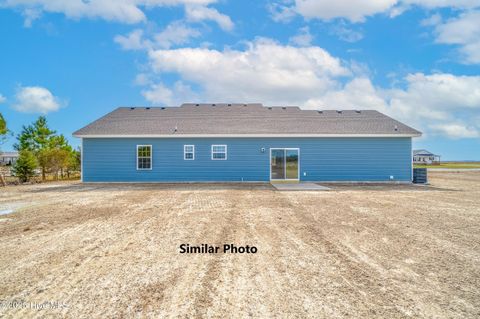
<point>415,60</point>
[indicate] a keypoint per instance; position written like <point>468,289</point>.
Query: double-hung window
<point>144,157</point>
<point>219,152</point>
<point>189,152</point>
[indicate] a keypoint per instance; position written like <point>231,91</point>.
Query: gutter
<point>238,135</point>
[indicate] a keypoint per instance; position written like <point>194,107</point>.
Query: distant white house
<point>425,157</point>
<point>8,158</point>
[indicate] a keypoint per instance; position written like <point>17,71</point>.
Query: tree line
<point>41,149</point>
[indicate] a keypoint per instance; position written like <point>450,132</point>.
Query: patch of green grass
<point>458,165</point>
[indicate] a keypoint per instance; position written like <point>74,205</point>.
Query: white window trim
<point>185,153</point>
<point>219,159</point>
<point>151,158</point>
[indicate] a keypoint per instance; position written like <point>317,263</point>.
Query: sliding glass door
<point>277,164</point>
<point>284,163</point>
<point>291,166</point>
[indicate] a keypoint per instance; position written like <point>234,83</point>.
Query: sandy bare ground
<point>104,251</point>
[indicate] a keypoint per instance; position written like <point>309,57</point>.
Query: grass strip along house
<point>245,143</point>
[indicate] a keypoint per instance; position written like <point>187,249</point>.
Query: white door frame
<point>285,149</point>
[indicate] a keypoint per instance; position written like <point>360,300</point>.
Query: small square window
<point>219,152</point>
<point>189,152</point>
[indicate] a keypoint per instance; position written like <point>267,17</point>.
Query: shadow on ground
<point>106,187</point>
<point>79,187</point>
<point>383,187</point>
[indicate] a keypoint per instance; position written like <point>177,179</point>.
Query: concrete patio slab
<point>299,187</point>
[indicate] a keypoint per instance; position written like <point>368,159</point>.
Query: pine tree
<point>53,153</point>
<point>3,129</point>
<point>3,125</point>
<point>25,166</point>
<point>36,138</point>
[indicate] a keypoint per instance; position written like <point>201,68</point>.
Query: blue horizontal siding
<point>321,159</point>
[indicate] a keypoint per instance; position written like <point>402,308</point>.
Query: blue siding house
<point>245,143</point>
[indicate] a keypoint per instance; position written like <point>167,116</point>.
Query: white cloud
<point>360,10</point>
<point>433,4</point>
<point>36,99</point>
<point>303,38</point>
<point>175,33</point>
<point>2,98</point>
<point>433,20</point>
<point>438,100</point>
<point>443,92</point>
<point>442,104</point>
<point>463,31</point>
<point>197,13</point>
<point>398,10</point>
<point>359,93</point>
<point>310,77</point>
<point>265,71</point>
<point>142,79</point>
<point>133,41</point>
<point>345,33</point>
<point>122,10</point>
<point>125,11</point>
<point>281,12</point>
<point>30,15</point>
<point>456,130</point>
<point>161,94</point>
<point>327,9</point>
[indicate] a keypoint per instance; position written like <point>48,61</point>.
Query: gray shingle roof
<point>241,119</point>
<point>423,152</point>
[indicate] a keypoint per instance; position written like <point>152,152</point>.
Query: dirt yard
<point>112,251</point>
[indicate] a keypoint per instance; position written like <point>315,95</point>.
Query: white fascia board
<point>238,135</point>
